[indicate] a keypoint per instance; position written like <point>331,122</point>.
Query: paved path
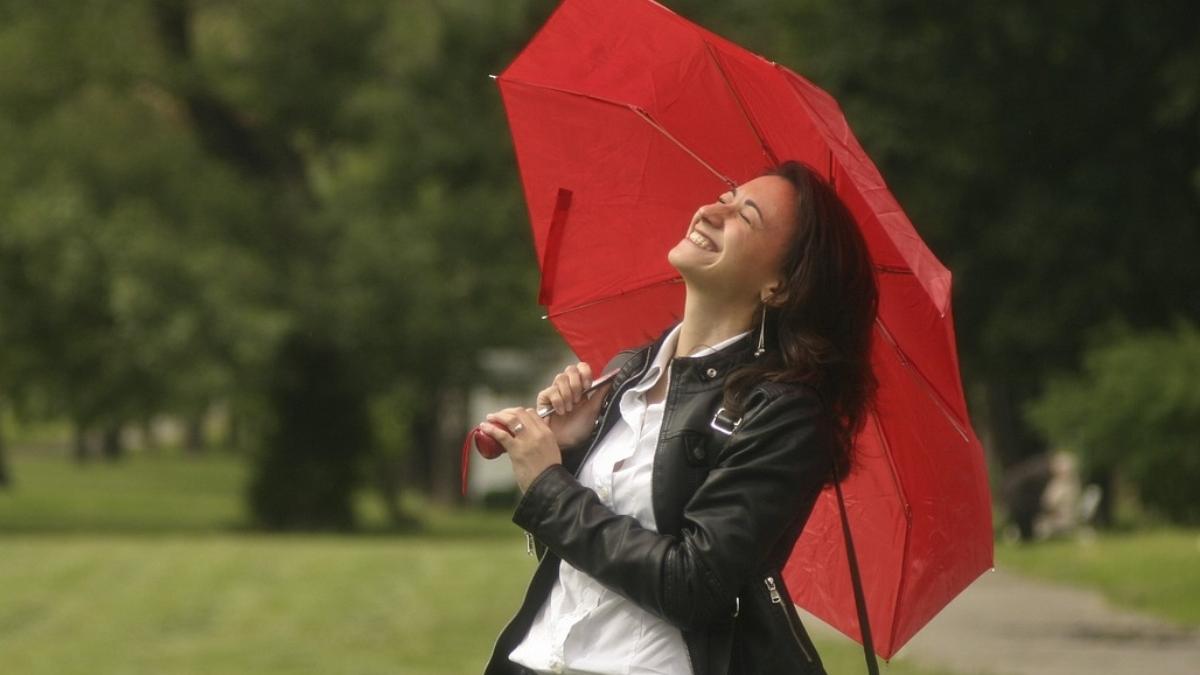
<point>1006,624</point>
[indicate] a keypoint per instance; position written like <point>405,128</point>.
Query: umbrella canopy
<point>625,118</point>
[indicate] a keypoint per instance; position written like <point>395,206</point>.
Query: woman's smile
<point>702,240</point>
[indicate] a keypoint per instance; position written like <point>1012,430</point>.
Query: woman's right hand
<point>574,412</point>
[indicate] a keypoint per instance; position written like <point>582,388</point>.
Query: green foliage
<point>178,199</point>
<point>307,469</point>
<point>184,182</point>
<point>1136,408</point>
<point>1047,152</point>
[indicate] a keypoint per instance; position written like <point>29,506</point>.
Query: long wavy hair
<point>819,331</point>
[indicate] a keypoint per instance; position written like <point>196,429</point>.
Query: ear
<point>774,294</point>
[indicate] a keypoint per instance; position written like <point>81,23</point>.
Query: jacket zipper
<point>777,599</point>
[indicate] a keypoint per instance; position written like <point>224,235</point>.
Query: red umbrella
<point>625,118</point>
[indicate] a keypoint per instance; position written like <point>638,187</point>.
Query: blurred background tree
<point>1135,409</point>
<point>195,195</point>
<point>187,184</point>
<point>1048,153</point>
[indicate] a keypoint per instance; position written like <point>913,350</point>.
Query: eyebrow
<point>751,204</point>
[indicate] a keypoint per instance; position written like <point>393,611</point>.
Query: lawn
<point>1155,570</point>
<point>147,568</point>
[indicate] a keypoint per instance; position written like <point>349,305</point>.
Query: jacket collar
<point>710,366</point>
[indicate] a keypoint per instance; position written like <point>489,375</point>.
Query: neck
<point>708,321</point>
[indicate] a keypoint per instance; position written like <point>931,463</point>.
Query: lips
<point>699,239</point>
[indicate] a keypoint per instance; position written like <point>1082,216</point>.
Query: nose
<point>714,214</point>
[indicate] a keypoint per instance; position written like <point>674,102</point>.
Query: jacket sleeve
<point>769,473</point>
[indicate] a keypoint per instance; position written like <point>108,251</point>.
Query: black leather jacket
<point>729,507</point>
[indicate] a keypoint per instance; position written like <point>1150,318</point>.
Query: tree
<point>1135,409</point>
<point>1048,153</point>
<point>227,174</point>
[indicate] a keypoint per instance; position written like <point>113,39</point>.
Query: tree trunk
<point>111,446</point>
<point>193,441</point>
<point>419,469</point>
<point>80,449</point>
<point>451,425</point>
<point>1012,439</point>
<point>149,438</point>
<point>233,433</point>
<point>5,475</point>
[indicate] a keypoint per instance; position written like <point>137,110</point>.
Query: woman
<point>665,509</point>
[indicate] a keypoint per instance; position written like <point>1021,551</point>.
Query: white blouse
<point>584,627</point>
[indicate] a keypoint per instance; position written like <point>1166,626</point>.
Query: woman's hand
<point>574,413</point>
<point>529,442</point>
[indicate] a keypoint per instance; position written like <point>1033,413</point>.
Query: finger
<point>506,417</point>
<point>558,402</point>
<point>575,381</point>
<point>551,398</point>
<point>498,434</point>
<point>531,420</point>
<point>562,382</point>
<point>585,372</point>
<point>543,398</point>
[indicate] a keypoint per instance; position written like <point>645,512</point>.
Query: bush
<point>308,470</point>
<point>1135,409</point>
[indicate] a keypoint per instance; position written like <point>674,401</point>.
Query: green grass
<point>146,567</point>
<point>1156,571</point>
<point>146,493</point>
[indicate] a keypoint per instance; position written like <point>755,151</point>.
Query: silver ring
<point>517,428</point>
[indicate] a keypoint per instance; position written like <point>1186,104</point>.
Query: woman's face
<point>735,246</point>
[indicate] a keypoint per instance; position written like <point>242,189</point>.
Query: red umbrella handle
<point>491,449</point>
<point>486,446</point>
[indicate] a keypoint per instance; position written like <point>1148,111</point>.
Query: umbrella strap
<point>860,601</point>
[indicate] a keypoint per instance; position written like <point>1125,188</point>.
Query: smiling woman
<point>665,507</point>
<point>740,247</point>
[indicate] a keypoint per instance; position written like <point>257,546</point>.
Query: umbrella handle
<point>596,384</point>
<point>490,449</point>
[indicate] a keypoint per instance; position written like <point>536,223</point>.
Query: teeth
<point>701,241</point>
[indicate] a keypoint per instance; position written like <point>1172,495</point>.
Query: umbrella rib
<point>560,90</point>
<point>887,448</point>
<point>737,97</point>
<point>609,298</point>
<point>929,390</point>
<point>637,110</point>
<point>817,117</point>
<point>651,121</point>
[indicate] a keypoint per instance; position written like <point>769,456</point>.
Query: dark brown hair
<point>819,331</point>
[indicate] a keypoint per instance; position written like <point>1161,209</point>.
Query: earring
<point>762,332</point>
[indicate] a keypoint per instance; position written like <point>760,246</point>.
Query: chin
<point>689,268</point>
<point>677,257</point>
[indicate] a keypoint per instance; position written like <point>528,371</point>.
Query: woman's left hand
<point>530,445</point>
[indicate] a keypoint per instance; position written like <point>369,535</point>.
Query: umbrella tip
<point>492,76</point>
